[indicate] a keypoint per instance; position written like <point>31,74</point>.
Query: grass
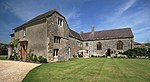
<point>92,70</point>
<point>3,57</point>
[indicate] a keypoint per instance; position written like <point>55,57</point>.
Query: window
<point>86,44</point>
<point>56,39</point>
<point>81,44</point>
<point>99,46</point>
<point>78,43</point>
<point>119,45</point>
<point>24,32</point>
<point>86,51</point>
<point>55,53</point>
<point>60,21</point>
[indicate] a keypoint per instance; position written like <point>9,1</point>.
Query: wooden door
<point>23,53</point>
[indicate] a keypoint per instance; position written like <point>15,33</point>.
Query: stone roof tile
<point>108,34</point>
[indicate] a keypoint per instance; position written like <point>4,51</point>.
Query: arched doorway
<point>108,52</point>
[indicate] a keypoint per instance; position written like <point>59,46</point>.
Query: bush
<point>16,57</point>
<point>93,56</point>
<point>31,57</point>
<point>136,52</point>
<point>35,58</point>
<point>11,57</point>
<point>42,60</point>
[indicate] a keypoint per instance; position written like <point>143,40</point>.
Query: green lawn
<point>3,57</point>
<point>92,70</point>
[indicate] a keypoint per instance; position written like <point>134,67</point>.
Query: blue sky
<point>80,15</point>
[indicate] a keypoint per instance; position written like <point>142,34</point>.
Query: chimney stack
<point>81,32</point>
<point>92,28</point>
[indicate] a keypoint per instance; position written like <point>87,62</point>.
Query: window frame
<point>86,44</point>
<point>57,39</point>
<point>99,46</point>
<point>119,45</point>
<point>59,21</point>
<point>24,32</point>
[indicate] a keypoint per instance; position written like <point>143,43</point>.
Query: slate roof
<point>42,16</point>
<point>74,34</point>
<point>108,34</point>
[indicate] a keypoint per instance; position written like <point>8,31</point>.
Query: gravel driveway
<point>14,71</point>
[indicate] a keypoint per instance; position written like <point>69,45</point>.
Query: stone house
<point>139,45</point>
<point>49,35</point>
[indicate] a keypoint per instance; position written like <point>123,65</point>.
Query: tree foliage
<point>147,44</point>
<point>137,52</point>
<point>15,42</point>
<point>3,49</point>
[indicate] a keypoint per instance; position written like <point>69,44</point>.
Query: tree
<point>137,52</point>
<point>15,42</point>
<point>3,49</point>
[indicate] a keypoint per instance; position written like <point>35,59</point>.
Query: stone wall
<point>107,44</point>
<point>37,39</point>
<point>40,37</point>
<point>53,29</point>
<point>74,45</point>
<point>36,35</point>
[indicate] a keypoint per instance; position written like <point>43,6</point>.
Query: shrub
<point>92,56</point>
<point>31,56</point>
<point>11,57</point>
<point>35,58</point>
<point>16,57</point>
<point>136,52</point>
<point>42,60</point>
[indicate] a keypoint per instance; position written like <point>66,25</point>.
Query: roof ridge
<point>40,16</point>
<point>109,30</point>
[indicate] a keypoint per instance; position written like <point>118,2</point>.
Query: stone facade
<point>107,44</point>
<point>35,37</point>
<point>49,35</point>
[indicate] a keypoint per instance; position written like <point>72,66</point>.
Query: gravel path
<point>14,71</point>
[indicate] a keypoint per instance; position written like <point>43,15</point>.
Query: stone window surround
<point>24,32</point>
<point>57,39</point>
<point>99,46</point>
<point>119,45</point>
<point>59,21</point>
<point>86,44</point>
<point>55,53</point>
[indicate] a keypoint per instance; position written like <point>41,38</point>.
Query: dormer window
<point>59,21</point>
<point>24,32</point>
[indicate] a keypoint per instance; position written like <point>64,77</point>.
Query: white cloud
<point>125,7</point>
<point>120,10</point>
<point>22,10</point>
<point>26,13</point>
<point>73,17</point>
<point>138,19</point>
